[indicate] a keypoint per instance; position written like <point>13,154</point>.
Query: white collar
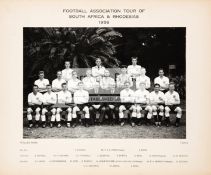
<point>99,66</point>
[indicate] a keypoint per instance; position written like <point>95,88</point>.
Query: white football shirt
<point>107,83</point>
<point>127,95</point>
<point>49,98</point>
<point>64,97</point>
<point>67,74</point>
<point>81,97</point>
<point>156,98</point>
<point>42,83</point>
<point>35,99</point>
<point>172,98</point>
<point>73,84</point>
<point>163,82</point>
<point>141,96</point>
<point>89,83</point>
<point>122,78</point>
<point>134,71</point>
<point>57,84</point>
<point>144,79</point>
<point>98,71</point>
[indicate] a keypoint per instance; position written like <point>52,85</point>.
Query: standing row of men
<point>132,105</point>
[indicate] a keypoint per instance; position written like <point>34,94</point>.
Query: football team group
<point>67,99</point>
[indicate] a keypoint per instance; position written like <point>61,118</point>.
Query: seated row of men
<point>136,105</point>
<point>98,79</point>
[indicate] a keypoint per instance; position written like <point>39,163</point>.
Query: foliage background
<point>48,48</point>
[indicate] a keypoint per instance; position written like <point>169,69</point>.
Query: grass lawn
<point>106,131</point>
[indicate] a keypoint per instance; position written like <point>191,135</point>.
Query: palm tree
<point>47,48</point>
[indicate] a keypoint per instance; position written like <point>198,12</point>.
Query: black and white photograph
<point>117,83</point>
<point>105,87</point>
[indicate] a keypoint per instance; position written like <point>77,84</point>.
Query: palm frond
<point>95,40</point>
<point>112,34</point>
<point>48,48</point>
<point>101,31</point>
<point>108,50</point>
<point>85,60</point>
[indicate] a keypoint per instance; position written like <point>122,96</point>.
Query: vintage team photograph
<point>104,83</point>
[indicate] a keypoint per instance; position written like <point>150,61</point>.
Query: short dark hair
<point>41,72</point>
<point>35,86</point>
<point>123,66</point>
<point>98,58</point>
<point>134,58</point>
<point>160,69</point>
<point>171,83</point>
<point>156,84</point>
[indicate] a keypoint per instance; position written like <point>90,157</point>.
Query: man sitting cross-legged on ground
<point>49,99</point>
<point>157,100</point>
<point>141,106</point>
<point>172,101</point>
<point>64,98</point>
<point>35,100</point>
<point>127,100</point>
<point>81,98</point>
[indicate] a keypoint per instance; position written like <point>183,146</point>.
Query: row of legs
<point>136,115</point>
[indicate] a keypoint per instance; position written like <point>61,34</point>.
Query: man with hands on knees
<point>64,98</point>
<point>81,99</point>
<point>172,102</point>
<point>141,106</point>
<point>157,101</point>
<point>35,100</point>
<point>49,99</point>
